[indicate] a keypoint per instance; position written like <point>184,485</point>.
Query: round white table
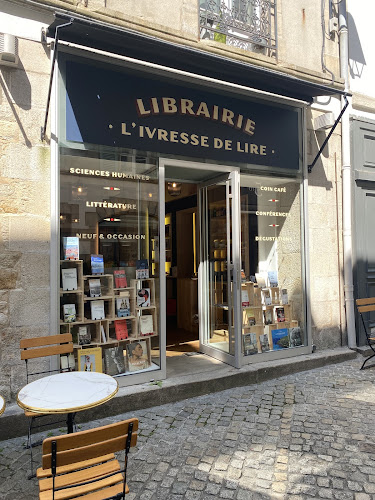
<point>2,405</point>
<point>67,392</point>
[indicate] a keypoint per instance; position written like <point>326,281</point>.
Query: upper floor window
<point>247,24</point>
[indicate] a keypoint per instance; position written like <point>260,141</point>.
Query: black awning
<point>129,43</point>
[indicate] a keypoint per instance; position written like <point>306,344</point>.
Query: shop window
<point>109,276</point>
<point>273,316</point>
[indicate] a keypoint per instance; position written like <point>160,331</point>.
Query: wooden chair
<point>365,307</point>
<point>83,464</point>
<point>41,347</point>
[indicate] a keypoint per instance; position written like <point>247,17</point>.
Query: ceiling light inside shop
<point>174,188</point>
<point>76,220</point>
<point>111,188</point>
<point>150,195</point>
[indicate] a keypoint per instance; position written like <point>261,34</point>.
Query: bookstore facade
<point>180,218</point>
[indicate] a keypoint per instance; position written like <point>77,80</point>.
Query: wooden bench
<point>365,307</point>
<point>84,463</point>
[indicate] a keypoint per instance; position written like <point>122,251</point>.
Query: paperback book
<point>67,362</point>
<point>97,264</point>
<point>122,307</point>
<point>272,279</point>
<point>264,342</point>
<point>97,309</point>
<point>121,330</point>
<point>284,296</point>
<point>268,317</point>
<point>90,360</point>
<point>250,344</point>
<point>114,360</point>
<point>143,297</point>
<point>69,279</point>
<point>120,278</point>
<point>280,338</point>
<point>142,271</point>
<point>267,296</point>
<point>245,298</point>
<point>95,288</point>
<point>71,248</point>
<point>279,314</point>
<point>84,335</point>
<point>137,356</point>
<point>69,313</point>
<point>146,325</point>
<point>261,279</point>
<point>295,337</point>
<point>249,317</point>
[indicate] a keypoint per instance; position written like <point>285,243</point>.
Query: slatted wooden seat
<point>83,465</point>
<point>365,308</point>
<point>41,347</point>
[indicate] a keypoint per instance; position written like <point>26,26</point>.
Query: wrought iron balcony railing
<point>248,24</point>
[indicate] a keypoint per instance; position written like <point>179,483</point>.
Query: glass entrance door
<point>219,268</point>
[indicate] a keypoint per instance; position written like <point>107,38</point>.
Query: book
<point>95,288</point>
<point>250,344</point>
<point>69,313</point>
<point>266,296</point>
<point>114,360</point>
<point>295,337</point>
<point>279,314</point>
<point>284,296</point>
<point>261,279</point>
<point>71,248</point>
<point>90,360</point>
<point>249,317</point>
<point>121,330</point>
<point>143,297</point>
<point>122,307</point>
<point>268,317</point>
<point>129,326</point>
<point>243,275</point>
<point>67,362</point>
<point>103,335</point>
<point>97,264</point>
<point>137,356</point>
<point>245,298</point>
<point>146,325</point>
<point>142,271</point>
<point>120,278</point>
<point>280,338</point>
<point>84,335</point>
<point>272,279</point>
<point>97,309</point>
<point>264,342</point>
<point>69,279</point>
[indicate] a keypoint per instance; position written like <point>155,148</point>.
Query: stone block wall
<point>24,210</point>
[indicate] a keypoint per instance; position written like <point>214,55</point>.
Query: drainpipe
<point>346,183</point>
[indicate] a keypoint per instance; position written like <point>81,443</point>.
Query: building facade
<point>155,175</point>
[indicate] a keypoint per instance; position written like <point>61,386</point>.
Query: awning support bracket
<point>44,128</point>
<point>310,167</point>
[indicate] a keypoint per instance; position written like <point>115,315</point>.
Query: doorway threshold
<point>193,363</point>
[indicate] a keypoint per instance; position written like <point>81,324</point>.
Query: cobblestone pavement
<point>306,435</point>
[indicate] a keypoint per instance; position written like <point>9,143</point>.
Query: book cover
<point>103,335</point>
<point>67,362</point>
<point>272,279</point>
<point>280,338</point>
<point>114,360</point>
<point>90,360</point>
<point>249,318</point>
<point>120,278</point>
<point>261,279</point>
<point>266,296</point>
<point>71,248</point>
<point>121,330</point>
<point>122,307</point>
<point>84,335</point>
<point>146,325</point>
<point>69,279</point>
<point>97,309</point>
<point>97,264</point>
<point>268,317</point>
<point>95,288</point>
<point>137,356</point>
<point>279,314</point>
<point>245,298</point>
<point>284,296</point>
<point>129,326</point>
<point>142,271</point>
<point>250,344</point>
<point>143,297</point>
<point>295,337</point>
<point>264,342</point>
<point>69,313</point>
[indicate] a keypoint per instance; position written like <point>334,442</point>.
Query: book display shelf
<point>101,314</point>
<point>267,319</point>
